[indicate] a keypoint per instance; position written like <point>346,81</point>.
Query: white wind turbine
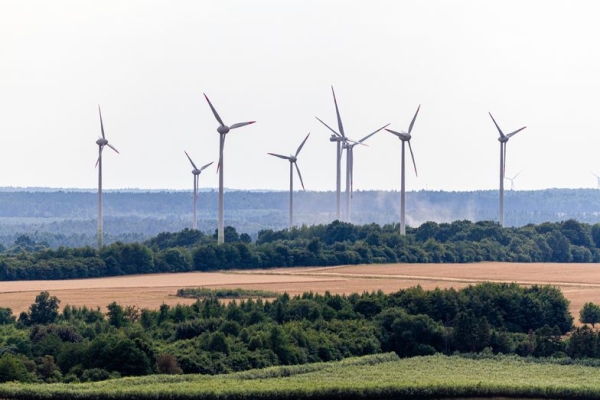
<point>196,172</point>
<point>597,179</point>
<point>503,139</point>
<point>101,142</point>
<point>405,138</point>
<point>343,142</point>
<point>512,180</point>
<point>293,162</point>
<point>223,130</point>
<point>349,146</point>
<point>339,139</point>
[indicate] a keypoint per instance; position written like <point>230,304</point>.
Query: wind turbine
<point>405,138</point>
<point>512,180</point>
<point>196,172</point>
<point>349,146</point>
<point>101,142</point>
<point>503,139</point>
<point>293,162</point>
<point>597,179</point>
<point>343,142</point>
<point>223,130</point>
<point>339,139</point>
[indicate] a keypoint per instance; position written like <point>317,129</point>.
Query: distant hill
<point>68,217</point>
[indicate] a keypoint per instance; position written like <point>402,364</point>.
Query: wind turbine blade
<point>499,130</point>
<point>413,158</point>
<point>328,127</point>
<point>337,112</point>
<point>213,110</point>
<point>280,156</point>
<point>515,132</point>
<point>368,136</point>
<point>302,144</point>
<point>300,176</point>
<point>101,124</point>
<point>239,124</point>
<point>413,120</point>
<point>109,145</point>
<point>594,174</point>
<point>515,177</point>
<point>188,156</point>
<point>205,166</point>
<point>97,162</point>
<point>401,135</point>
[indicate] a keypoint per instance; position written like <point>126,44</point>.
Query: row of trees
<point>209,336</point>
<point>337,243</point>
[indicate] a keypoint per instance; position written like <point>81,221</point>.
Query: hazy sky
<point>147,63</point>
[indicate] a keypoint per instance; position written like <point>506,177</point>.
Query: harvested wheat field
<point>579,282</point>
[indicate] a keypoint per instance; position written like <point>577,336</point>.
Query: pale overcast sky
<point>147,63</point>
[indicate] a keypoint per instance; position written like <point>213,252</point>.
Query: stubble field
<point>580,283</point>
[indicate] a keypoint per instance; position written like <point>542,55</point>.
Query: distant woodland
<point>68,218</point>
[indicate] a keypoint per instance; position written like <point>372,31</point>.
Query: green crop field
<point>372,377</point>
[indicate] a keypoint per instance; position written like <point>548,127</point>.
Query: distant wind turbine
<point>223,130</point>
<point>512,180</point>
<point>597,179</point>
<point>503,139</point>
<point>405,138</point>
<point>196,172</point>
<point>339,139</point>
<point>101,142</point>
<point>293,162</point>
<point>343,143</point>
<point>349,146</point>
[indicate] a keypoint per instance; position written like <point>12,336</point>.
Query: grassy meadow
<point>372,377</point>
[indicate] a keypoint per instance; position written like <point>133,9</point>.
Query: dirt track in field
<point>579,282</point>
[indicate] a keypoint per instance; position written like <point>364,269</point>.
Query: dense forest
<point>68,217</point>
<point>45,344</point>
<point>337,243</point>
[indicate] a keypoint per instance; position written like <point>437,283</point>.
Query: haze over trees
<point>68,218</point>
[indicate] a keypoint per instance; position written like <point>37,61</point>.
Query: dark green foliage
<point>44,310</point>
<point>590,314</point>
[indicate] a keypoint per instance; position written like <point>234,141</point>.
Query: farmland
<point>580,283</point>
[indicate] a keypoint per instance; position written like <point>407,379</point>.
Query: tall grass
<point>371,377</point>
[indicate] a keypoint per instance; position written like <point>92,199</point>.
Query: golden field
<point>580,283</point>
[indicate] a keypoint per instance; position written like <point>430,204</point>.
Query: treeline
<point>210,337</point>
<point>337,243</point>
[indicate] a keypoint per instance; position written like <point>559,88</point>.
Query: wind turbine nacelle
<point>196,171</point>
<point>334,138</point>
<point>503,139</point>
<point>223,129</point>
<point>101,142</point>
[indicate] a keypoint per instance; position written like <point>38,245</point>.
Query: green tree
<point>590,314</point>
<point>44,310</point>
<point>13,369</point>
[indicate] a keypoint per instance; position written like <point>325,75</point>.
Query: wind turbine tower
<point>503,139</point>
<point>223,130</point>
<point>101,142</point>
<point>405,138</point>
<point>293,162</point>
<point>196,173</point>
